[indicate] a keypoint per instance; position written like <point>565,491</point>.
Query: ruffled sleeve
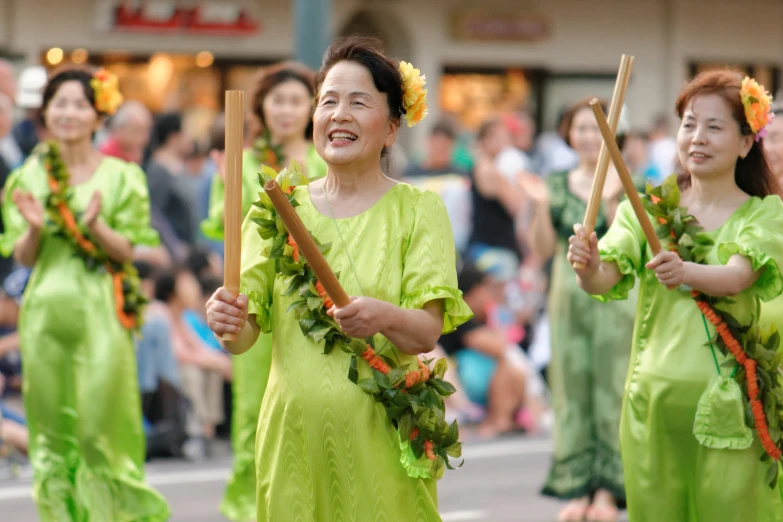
<point>15,225</point>
<point>257,273</point>
<point>212,226</point>
<point>429,263</point>
<point>624,244</point>
<point>131,216</point>
<point>760,239</point>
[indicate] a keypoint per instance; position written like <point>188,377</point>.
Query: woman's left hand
<point>669,268</point>
<point>363,317</point>
<point>93,210</point>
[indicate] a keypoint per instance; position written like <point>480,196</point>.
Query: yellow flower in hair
<point>107,91</point>
<point>414,98</point>
<point>757,102</point>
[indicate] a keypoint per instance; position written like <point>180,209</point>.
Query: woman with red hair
<point>699,432</point>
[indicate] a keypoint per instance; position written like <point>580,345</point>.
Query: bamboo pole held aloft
<point>307,246</point>
<point>232,216</point>
<point>599,180</point>
<point>625,178</point>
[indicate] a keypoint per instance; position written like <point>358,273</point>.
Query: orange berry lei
<point>757,102</point>
<point>412,398</point>
<point>107,91</point>
<point>266,153</point>
<point>760,371</point>
<point>126,285</point>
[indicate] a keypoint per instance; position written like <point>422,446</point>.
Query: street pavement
<point>499,483</point>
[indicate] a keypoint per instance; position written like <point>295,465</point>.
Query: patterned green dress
<point>80,381</point>
<point>669,474</point>
<point>591,344</point>
<point>326,450</point>
<point>251,369</point>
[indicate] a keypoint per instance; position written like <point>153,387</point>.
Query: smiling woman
<point>326,450</point>
<point>697,444</point>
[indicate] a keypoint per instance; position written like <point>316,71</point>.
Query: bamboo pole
<point>625,178</point>
<point>599,180</point>
<point>307,246</point>
<point>232,216</point>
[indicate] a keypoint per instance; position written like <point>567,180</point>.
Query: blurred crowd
<point>485,178</point>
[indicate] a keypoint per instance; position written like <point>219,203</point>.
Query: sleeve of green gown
<point>429,265</point>
<point>257,275</point>
<point>131,218</point>
<point>623,244</point>
<point>15,224</point>
<point>212,227</point>
<point>760,239</point>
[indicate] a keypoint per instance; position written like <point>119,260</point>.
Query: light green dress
<point>80,384</point>
<point>669,475</point>
<point>326,451</point>
<point>251,369</point>
<point>591,345</point>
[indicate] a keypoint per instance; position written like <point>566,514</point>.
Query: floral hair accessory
<point>414,97</point>
<point>107,91</point>
<point>757,102</point>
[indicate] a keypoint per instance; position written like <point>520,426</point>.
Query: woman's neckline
<point>367,210</point>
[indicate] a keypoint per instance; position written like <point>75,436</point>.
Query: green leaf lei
<point>757,348</point>
<point>63,222</point>
<point>417,412</point>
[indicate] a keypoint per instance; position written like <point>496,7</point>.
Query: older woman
<point>326,450</point>
<point>74,215</point>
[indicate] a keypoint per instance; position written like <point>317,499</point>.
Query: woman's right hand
<point>583,252</point>
<point>30,208</point>
<point>226,313</point>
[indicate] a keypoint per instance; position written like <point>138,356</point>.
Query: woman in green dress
<point>696,437</point>
<point>590,343</point>
<point>74,215</point>
<point>326,449</point>
<point>282,103</point>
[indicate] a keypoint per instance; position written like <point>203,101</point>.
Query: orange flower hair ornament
<point>757,102</point>
<point>414,98</point>
<point>107,91</point>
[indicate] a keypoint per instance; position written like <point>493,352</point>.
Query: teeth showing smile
<point>698,155</point>
<point>342,136</point>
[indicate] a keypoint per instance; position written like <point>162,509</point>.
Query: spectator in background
<point>440,150</point>
<point>129,132</point>
<point>636,151</point>
<point>202,369</point>
<point>554,154</point>
<point>170,195</point>
<point>29,97</point>
<point>513,159</point>
<point>10,153</point>
<point>663,147</point>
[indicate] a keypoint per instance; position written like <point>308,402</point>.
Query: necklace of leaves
<point>758,362</point>
<point>126,285</point>
<point>413,399</point>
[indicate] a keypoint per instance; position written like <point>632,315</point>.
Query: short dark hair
<point>469,277</point>
<point>445,128</point>
<point>197,260</point>
<point>368,52</point>
<point>165,125</point>
<point>81,75</point>
<point>273,76</point>
<point>487,127</point>
<point>209,283</point>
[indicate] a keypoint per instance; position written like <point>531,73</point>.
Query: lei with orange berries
<point>412,398</point>
<point>757,360</point>
<point>126,285</point>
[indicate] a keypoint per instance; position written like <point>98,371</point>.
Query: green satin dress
<point>80,384</point>
<point>251,369</point>
<point>772,313</point>
<point>669,475</point>
<point>591,345</point>
<point>326,450</point>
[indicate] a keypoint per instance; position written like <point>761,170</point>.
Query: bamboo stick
<point>599,180</point>
<point>232,216</point>
<point>625,178</point>
<point>307,246</point>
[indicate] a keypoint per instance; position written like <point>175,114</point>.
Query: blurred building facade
<point>479,57</point>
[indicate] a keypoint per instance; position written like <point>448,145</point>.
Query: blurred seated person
<point>13,432</point>
<point>202,370</point>
<point>196,319</point>
<point>129,132</point>
<point>494,372</point>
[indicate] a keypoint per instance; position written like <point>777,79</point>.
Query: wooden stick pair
<point>599,180</point>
